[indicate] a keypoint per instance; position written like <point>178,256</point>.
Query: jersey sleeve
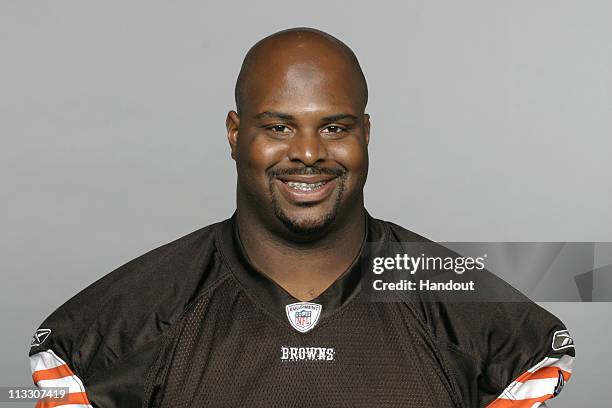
<point>100,342</point>
<point>534,363</point>
<point>53,362</point>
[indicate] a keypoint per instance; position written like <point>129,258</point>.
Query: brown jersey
<point>194,324</point>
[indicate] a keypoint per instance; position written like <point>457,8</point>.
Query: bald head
<point>298,51</point>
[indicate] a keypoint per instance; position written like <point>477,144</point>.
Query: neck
<point>303,268</point>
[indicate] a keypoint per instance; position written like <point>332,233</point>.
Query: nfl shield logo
<point>303,316</point>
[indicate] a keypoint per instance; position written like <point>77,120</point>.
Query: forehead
<point>302,80</point>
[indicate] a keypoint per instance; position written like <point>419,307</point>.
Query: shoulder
<point>129,307</point>
<point>494,309</point>
<point>516,348</point>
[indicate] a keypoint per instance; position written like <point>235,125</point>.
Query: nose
<point>307,147</point>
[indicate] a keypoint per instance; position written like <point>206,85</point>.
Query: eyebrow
<point>340,116</point>
<point>273,114</point>
<point>286,116</point>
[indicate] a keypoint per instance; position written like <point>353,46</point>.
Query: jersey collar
<point>271,296</point>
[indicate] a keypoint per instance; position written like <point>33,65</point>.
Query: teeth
<point>305,186</point>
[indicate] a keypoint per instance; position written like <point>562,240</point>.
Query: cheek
<point>258,154</point>
<point>353,155</point>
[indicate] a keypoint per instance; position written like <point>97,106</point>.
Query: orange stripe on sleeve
<point>52,373</point>
<point>546,372</point>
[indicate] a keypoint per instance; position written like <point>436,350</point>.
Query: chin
<point>306,225</point>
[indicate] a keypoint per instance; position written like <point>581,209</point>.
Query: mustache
<point>307,170</point>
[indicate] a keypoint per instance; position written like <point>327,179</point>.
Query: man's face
<point>300,145</point>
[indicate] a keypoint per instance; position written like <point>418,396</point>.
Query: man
<point>266,309</point>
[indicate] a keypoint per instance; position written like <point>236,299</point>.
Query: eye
<point>279,129</point>
<point>333,129</point>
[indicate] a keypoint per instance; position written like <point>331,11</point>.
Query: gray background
<point>491,121</point>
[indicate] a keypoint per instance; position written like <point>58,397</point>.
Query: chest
<point>228,352</point>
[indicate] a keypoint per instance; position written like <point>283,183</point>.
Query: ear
<point>232,123</point>
<point>366,128</point>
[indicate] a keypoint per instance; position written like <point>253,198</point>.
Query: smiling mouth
<point>302,190</point>
<point>294,185</point>
<point>307,186</point>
